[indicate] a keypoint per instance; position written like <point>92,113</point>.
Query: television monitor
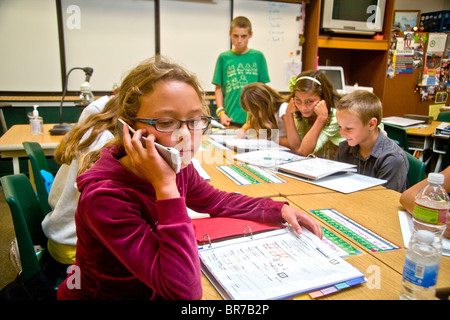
<point>336,76</point>
<point>353,16</point>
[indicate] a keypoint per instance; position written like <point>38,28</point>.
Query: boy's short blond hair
<point>241,22</point>
<point>363,104</point>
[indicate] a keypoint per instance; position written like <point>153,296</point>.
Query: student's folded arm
<point>291,131</point>
<point>311,139</point>
<point>165,258</point>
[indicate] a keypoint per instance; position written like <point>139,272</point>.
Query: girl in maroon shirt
<point>135,238</point>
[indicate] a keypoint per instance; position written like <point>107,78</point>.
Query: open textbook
<point>316,168</point>
<point>329,174</point>
<point>246,145</point>
<point>276,264</point>
<point>347,182</point>
<point>286,161</point>
<point>267,158</point>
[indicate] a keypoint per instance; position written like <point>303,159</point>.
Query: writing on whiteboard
<point>275,21</point>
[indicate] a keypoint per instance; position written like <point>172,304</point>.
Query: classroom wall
<point>423,6</point>
<point>30,57</point>
<point>113,36</point>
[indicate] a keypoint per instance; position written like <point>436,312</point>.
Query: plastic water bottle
<point>431,208</point>
<point>421,268</point>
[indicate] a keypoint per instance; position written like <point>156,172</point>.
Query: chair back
<point>397,134</point>
<point>416,171</point>
<point>27,216</point>
<point>38,162</point>
<point>446,157</point>
<point>444,116</point>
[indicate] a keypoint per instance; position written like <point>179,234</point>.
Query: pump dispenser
<point>36,122</point>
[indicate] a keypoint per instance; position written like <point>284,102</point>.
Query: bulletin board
<point>417,73</point>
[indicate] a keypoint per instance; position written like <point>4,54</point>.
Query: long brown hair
<point>324,90</point>
<point>71,148</point>
<point>140,81</point>
<point>262,102</point>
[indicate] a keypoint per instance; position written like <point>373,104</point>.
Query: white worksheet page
<point>275,267</point>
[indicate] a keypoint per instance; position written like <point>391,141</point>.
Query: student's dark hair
<point>262,102</point>
<point>321,87</point>
<point>140,81</point>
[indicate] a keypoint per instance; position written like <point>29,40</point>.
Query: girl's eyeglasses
<point>171,124</point>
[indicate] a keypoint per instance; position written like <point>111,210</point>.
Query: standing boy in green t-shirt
<point>234,69</point>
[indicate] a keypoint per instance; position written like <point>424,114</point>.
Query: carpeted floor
<point>7,271</point>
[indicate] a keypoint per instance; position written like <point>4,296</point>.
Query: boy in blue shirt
<point>234,69</point>
<point>359,115</point>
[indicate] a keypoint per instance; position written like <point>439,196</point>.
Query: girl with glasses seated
<point>135,237</point>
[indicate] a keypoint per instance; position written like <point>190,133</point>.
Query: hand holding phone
<point>170,155</point>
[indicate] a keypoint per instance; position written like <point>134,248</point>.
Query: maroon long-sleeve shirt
<point>132,246</point>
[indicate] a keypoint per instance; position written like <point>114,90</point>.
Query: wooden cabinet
<point>364,60</point>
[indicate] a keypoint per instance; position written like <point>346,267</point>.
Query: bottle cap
<point>435,178</point>
<point>35,111</point>
<point>425,236</point>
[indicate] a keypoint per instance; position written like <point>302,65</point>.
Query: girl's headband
<point>309,78</point>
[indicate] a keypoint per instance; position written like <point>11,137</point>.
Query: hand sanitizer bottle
<point>36,122</point>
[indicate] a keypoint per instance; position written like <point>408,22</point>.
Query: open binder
<point>309,167</point>
<point>442,129</point>
<point>246,145</point>
<point>316,168</point>
<point>223,228</point>
<point>275,264</point>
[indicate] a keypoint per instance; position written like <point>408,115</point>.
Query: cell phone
<point>171,155</point>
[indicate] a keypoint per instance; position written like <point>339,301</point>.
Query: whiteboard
<point>276,29</point>
<point>111,36</point>
<point>30,59</point>
<point>195,40</point>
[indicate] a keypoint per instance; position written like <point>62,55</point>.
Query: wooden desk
<point>11,142</point>
<point>262,189</point>
<point>377,210</point>
<point>383,283</point>
<point>388,287</point>
<point>424,131</point>
<point>421,138</point>
<point>210,159</point>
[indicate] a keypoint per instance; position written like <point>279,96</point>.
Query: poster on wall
<point>406,53</point>
<point>413,50</point>
<point>432,66</point>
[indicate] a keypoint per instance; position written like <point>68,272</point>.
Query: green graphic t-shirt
<point>234,71</point>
